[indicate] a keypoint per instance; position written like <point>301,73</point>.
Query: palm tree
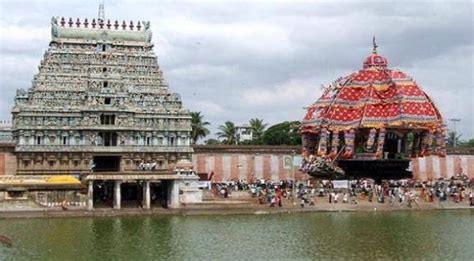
<point>212,142</point>
<point>198,126</point>
<point>258,127</point>
<point>454,139</point>
<point>228,132</point>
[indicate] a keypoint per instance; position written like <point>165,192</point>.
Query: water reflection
<point>395,235</point>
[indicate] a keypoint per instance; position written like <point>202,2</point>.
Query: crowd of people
<point>266,191</point>
<point>392,192</point>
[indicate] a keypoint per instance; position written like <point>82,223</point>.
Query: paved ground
<point>232,206</point>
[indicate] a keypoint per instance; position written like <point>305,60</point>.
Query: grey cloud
<point>212,66</point>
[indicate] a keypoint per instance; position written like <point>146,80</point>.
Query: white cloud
<point>29,35</point>
<point>448,79</point>
<point>301,91</point>
<point>201,72</point>
<point>207,108</point>
<point>240,60</point>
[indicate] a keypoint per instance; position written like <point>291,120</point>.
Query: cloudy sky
<point>267,59</point>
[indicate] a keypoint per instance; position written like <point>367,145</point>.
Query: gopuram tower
<point>99,103</point>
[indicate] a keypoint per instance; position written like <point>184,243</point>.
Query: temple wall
<point>244,166</point>
<point>230,163</point>
<point>246,162</point>
<point>8,161</point>
<point>8,164</point>
<point>269,163</point>
<point>434,167</point>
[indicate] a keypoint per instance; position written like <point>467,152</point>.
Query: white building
<point>244,133</point>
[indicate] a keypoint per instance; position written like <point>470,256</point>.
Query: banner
<point>297,161</point>
<point>340,184</point>
<point>290,161</point>
<point>204,184</point>
<point>287,162</point>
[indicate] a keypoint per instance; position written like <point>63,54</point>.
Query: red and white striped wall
<point>235,166</point>
<point>228,167</point>
<point>434,167</point>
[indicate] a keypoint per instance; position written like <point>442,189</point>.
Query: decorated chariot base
<point>369,123</point>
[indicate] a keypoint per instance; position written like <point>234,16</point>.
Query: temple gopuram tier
<point>369,124</point>
<point>99,102</point>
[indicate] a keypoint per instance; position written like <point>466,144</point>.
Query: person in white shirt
<point>471,199</point>
<point>345,199</point>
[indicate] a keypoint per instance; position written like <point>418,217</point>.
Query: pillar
<point>117,194</point>
<point>90,195</point>
<point>122,164</point>
<point>323,142</point>
<point>349,137</point>
<point>173,194</point>
<point>399,145</point>
<point>146,195</point>
<point>414,144</point>
<point>380,144</point>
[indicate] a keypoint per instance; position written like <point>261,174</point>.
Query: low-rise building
<point>244,133</point>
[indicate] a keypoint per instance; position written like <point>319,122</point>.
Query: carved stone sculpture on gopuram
<point>99,101</point>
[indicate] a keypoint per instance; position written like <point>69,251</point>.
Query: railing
<point>91,148</point>
<point>460,151</point>
<point>116,127</point>
<point>132,172</point>
<point>51,172</point>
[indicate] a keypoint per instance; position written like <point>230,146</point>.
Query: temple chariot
<point>369,124</point>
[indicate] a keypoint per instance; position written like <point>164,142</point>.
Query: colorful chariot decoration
<point>376,113</point>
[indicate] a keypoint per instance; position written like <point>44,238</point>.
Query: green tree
<point>453,138</point>
<point>227,132</point>
<point>469,143</point>
<point>258,128</point>
<point>212,142</point>
<point>285,133</point>
<point>198,126</point>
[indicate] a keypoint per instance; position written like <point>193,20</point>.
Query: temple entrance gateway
<point>132,190</point>
<point>106,163</point>
<point>159,194</point>
<point>91,122</point>
<point>132,194</point>
<point>103,193</point>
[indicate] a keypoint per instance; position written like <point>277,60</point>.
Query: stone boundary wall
<point>274,162</point>
<point>246,166</point>
<point>271,162</point>
<point>246,162</point>
<point>8,162</point>
<point>434,167</point>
